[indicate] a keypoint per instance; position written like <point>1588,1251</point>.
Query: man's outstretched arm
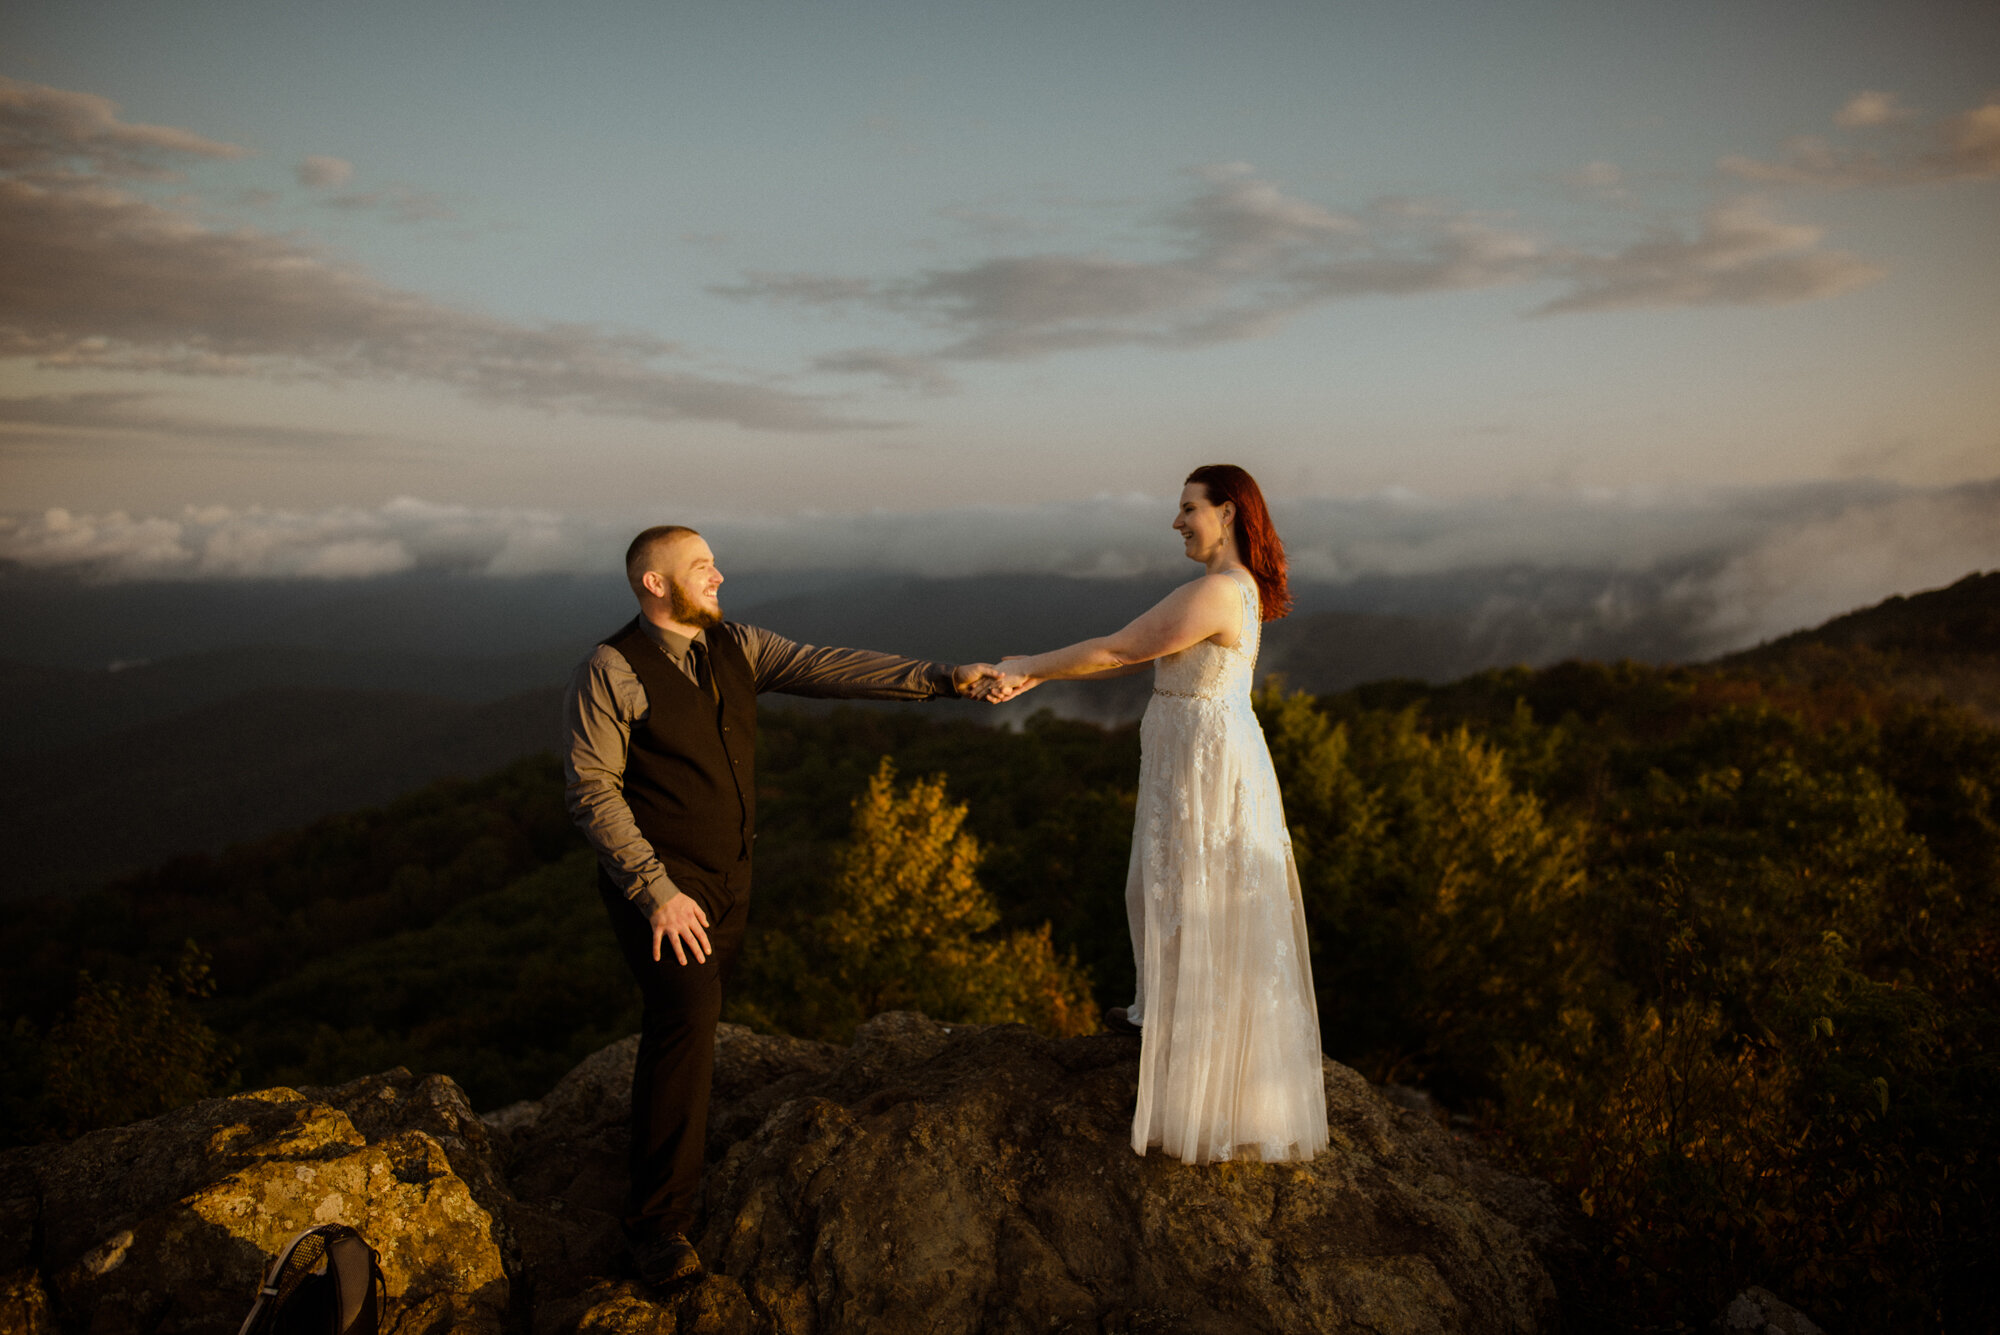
<point>785,666</point>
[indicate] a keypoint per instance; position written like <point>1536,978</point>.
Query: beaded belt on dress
<point>1185,695</point>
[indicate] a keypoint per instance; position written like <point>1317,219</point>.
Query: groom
<point>660,753</point>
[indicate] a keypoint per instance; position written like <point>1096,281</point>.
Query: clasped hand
<point>991,683</point>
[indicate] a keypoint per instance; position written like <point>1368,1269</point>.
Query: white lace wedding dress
<point>1230,1063</point>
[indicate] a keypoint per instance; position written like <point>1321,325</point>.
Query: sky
<point>965,278</point>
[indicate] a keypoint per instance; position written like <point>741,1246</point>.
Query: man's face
<point>692,580</point>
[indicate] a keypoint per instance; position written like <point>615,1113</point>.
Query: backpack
<point>325,1282</point>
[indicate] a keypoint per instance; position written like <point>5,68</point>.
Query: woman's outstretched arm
<point>1209,607</point>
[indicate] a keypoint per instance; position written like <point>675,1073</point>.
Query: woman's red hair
<point>1256,539</point>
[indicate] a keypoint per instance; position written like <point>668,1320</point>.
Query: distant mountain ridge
<point>1962,618</point>
<point>252,765</point>
<point>45,708</point>
<point>199,750</point>
<point>1943,643</point>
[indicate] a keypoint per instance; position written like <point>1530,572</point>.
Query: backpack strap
<point>358,1283</point>
<point>358,1305</point>
<point>269,1290</point>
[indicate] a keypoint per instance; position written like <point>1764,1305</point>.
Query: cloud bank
<point>339,542</point>
<point>1897,147</point>
<point>130,413</point>
<point>46,133</point>
<point>1242,258</point>
<point>1735,567</point>
<point>94,274</point>
<point>97,273</point>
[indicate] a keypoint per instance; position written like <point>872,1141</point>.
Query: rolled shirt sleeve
<point>787,667</point>
<point>604,700</point>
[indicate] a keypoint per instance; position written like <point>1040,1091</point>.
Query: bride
<point>1229,1064</point>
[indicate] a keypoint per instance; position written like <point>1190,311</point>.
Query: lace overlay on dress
<point>1230,1062</point>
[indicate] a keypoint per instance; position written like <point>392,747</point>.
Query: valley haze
<point>248,682</point>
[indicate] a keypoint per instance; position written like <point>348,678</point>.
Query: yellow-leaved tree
<point>909,927</point>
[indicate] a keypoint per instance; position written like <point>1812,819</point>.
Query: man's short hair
<point>644,552</point>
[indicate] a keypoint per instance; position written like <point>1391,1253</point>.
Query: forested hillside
<point>1940,643</point>
<point>1714,950</point>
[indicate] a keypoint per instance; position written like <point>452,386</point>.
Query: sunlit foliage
<point>907,926</point>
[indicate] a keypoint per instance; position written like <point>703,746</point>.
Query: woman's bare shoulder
<point>1203,591</point>
<point>1222,580</point>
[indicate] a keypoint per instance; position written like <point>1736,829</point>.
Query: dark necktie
<point>698,660</point>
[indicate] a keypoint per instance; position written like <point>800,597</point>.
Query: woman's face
<point>1203,525</point>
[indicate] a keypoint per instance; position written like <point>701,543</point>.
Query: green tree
<point>907,926</point>
<point>121,1055</point>
<point>1439,895</point>
<point>1773,1085</point>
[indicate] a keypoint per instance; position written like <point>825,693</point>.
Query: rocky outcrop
<point>927,1178</point>
<point>166,1225</point>
<point>1758,1311</point>
<point>983,1181</point>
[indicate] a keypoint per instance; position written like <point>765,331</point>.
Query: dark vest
<point>690,776</point>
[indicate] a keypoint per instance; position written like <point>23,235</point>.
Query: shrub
<point>121,1055</point>
<point>907,926</point>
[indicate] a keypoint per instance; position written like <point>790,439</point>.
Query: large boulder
<point>980,1178</point>
<point>1758,1311</point>
<point>565,1156</point>
<point>168,1224</point>
<point>928,1177</point>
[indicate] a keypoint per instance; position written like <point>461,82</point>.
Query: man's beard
<point>691,613</point>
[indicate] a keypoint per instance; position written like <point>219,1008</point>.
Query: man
<point>662,739</point>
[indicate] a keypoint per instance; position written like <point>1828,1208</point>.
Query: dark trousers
<point>670,1084</point>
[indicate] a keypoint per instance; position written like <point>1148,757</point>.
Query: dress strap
<point>1253,623</point>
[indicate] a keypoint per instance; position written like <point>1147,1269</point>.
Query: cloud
<point>93,275</point>
<point>126,415</point>
<point>1243,258</point>
<point>323,173</point>
<point>1870,109</point>
<point>341,542</point>
<point>1803,574</point>
<point>53,133</point>
<point>1244,224</point>
<point>1022,307</point>
<point>1740,257</point>
<point>994,223</point>
<point>1706,572</point>
<point>1458,254</point>
<point>1961,147</point>
<point>1603,182</point>
<point>922,374</point>
<point>801,288</point>
<point>400,203</point>
<point>212,544</point>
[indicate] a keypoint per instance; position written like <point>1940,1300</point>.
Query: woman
<point>1229,1065</point>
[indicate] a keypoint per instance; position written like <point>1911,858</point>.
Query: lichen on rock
<point>169,1224</point>
<point>928,1177</point>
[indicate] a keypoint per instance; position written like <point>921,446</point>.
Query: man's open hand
<point>967,678</point>
<point>681,921</point>
<point>984,681</point>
